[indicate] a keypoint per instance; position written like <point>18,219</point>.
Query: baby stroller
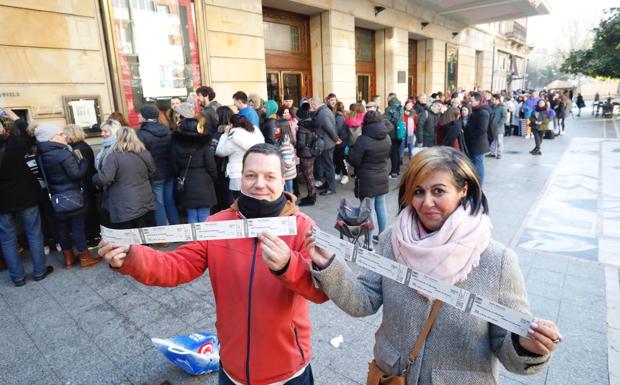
<point>355,223</point>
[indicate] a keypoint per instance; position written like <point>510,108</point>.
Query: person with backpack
<point>194,164</point>
<point>394,115</point>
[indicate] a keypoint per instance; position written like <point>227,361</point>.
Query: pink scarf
<point>448,254</point>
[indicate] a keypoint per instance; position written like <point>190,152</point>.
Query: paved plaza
<point>559,211</point>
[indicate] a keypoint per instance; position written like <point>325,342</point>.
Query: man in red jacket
<point>261,306</point>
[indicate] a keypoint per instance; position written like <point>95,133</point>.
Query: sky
<point>546,32</point>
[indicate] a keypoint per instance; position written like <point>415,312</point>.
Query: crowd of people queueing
<point>187,161</point>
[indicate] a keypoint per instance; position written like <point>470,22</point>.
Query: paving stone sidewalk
<point>94,327</point>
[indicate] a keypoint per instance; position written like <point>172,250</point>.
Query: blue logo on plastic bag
<point>197,353</point>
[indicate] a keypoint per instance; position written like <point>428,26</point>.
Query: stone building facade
<point>71,60</point>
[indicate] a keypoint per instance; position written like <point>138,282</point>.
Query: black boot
<point>310,200</point>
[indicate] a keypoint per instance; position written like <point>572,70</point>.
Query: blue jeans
<point>325,166</point>
<point>31,220</point>
<point>166,210</point>
<point>306,378</point>
<point>478,161</point>
<point>197,215</point>
<point>378,207</point>
<point>72,228</point>
<point>288,186</point>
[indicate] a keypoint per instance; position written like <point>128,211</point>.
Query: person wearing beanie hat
<point>269,126</point>
<point>44,132</point>
<point>149,113</point>
<point>158,141</point>
<point>63,171</point>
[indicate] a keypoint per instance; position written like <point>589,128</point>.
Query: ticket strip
<point>204,231</point>
<point>509,319</point>
<point>461,299</point>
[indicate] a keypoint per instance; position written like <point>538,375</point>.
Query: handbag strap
<point>425,330</point>
<point>189,161</point>
<point>42,172</point>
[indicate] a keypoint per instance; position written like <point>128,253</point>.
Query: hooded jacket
<point>326,126</point>
<point>262,317</point>
<point>201,174</point>
<point>476,130</point>
<point>157,139</point>
<point>370,156</point>
<point>63,170</point>
<point>234,145</point>
<point>19,188</point>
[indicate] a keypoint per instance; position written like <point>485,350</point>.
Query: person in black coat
<point>19,197</point>
<point>476,129</point>
<point>158,141</point>
<point>340,166</point>
<point>64,171</point>
<point>194,163</point>
<point>325,123</point>
<point>76,139</point>
<point>370,156</point>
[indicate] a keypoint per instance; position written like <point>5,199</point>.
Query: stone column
<point>466,68</point>
<point>235,48</point>
<point>391,51</point>
<point>332,38</point>
<point>431,65</point>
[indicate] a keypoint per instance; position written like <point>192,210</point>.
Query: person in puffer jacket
<point>158,141</point>
<point>261,285</point>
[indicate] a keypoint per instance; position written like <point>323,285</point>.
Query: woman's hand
<point>319,256</point>
<point>544,335</point>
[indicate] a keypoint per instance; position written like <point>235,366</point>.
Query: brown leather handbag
<point>376,375</point>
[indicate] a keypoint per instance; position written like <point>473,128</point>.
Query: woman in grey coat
<point>126,174</point>
<point>442,230</point>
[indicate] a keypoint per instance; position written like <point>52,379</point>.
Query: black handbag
<point>64,202</point>
<point>180,185</point>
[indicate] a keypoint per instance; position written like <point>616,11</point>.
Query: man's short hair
<point>206,91</point>
<point>264,149</point>
<point>287,97</point>
<point>316,101</point>
<point>477,96</point>
<point>241,96</point>
<point>372,117</point>
<point>332,95</point>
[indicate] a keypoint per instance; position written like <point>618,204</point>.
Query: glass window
<point>281,37</point>
<point>363,45</point>
<point>158,50</point>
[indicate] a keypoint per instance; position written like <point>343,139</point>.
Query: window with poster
<point>452,63</point>
<point>156,51</point>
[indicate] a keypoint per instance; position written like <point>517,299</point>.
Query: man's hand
<point>10,114</point>
<point>276,252</point>
<point>115,255</point>
<point>339,142</point>
<point>319,256</point>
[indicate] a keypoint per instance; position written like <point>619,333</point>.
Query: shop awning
<point>471,12</point>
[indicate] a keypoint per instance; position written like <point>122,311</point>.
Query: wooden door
<point>365,66</point>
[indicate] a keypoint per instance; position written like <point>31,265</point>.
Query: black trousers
<point>339,164</point>
<point>537,137</point>
<point>146,220</point>
<point>306,378</point>
<point>395,157</point>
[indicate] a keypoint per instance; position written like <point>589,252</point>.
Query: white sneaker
<point>562,133</point>
<point>318,183</point>
<point>338,176</point>
<point>345,179</point>
<point>46,250</point>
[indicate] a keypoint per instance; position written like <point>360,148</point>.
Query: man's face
<point>262,177</point>
<point>535,94</point>
<point>474,102</point>
<point>423,100</point>
<point>495,101</point>
<point>332,101</point>
<point>313,107</point>
<point>200,98</point>
<point>373,108</point>
<point>288,103</point>
<point>174,103</point>
<point>238,104</point>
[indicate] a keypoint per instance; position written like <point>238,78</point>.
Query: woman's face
<point>464,112</point>
<point>408,106</point>
<point>286,114</point>
<point>436,198</point>
<point>105,133</point>
<point>541,103</point>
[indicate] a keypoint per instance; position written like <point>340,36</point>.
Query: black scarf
<point>260,208</point>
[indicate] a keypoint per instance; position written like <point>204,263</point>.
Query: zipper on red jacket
<point>303,357</point>
<point>247,358</point>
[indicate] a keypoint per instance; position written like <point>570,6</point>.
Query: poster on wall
<point>83,110</point>
<point>452,55</point>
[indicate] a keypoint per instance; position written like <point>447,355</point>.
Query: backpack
<point>401,130</point>
<point>317,145</point>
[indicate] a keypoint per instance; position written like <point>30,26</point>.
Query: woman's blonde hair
<point>74,133</point>
<point>111,125</point>
<point>442,158</point>
<point>127,141</point>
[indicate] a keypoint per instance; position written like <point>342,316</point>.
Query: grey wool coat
<point>460,349</point>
